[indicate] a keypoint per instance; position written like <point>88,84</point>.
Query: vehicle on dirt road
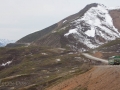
<point>114,60</point>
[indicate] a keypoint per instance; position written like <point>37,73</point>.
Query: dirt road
<point>98,78</point>
<point>95,58</point>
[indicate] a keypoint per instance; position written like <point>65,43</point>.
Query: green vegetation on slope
<point>109,44</point>
<point>35,68</point>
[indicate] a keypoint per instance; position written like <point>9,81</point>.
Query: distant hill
<point>4,42</point>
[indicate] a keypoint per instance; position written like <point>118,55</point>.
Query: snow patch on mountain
<point>64,21</point>
<point>114,8</point>
<point>95,22</point>
<point>90,33</point>
<point>7,63</point>
<point>72,31</point>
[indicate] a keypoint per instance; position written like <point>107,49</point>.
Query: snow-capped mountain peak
<point>97,17</point>
<point>91,27</point>
<point>97,24</point>
<point>4,42</point>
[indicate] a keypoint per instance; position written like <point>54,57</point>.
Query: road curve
<point>95,58</point>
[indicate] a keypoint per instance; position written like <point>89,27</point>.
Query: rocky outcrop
<point>115,14</point>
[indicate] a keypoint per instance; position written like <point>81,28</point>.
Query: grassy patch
<point>111,43</point>
<point>14,77</point>
<point>40,66</point>
<point>30,87</point>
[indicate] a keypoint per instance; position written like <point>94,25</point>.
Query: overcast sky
<point>21,17</point>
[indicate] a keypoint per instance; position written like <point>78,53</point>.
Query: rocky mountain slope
<point>91,27</point>
<point>38,68</point>
<point>99,78</point>
<point>107,50</point>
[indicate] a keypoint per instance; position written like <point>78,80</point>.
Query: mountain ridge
<point>56,25</point>
<point>91,27</point>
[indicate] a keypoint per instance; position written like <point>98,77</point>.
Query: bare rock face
<point>115,14</point>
